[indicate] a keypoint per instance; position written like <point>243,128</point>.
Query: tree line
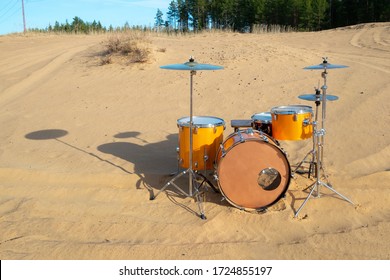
<point>77,26</point>
<point>242,15</point>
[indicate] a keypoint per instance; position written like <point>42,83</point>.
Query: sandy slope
<point>83,146</point>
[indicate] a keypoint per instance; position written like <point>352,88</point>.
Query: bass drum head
<point>253,174</point>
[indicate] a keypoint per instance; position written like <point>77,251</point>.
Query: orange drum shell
<point>238,170</point>
<point>206,141</point>
<point>291,126</point>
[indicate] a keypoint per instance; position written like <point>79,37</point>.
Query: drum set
<point>250,168</point>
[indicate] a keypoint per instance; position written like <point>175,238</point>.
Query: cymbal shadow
<point>55,134</point>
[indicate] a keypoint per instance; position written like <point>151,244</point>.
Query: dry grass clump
<point>271,28</point>
<point>127,47</point>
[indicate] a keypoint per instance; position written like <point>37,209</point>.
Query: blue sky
<point>41,13</point>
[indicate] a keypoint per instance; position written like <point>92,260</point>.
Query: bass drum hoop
<point>220,162</point>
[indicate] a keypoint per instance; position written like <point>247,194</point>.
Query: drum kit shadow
<point>251,169</point>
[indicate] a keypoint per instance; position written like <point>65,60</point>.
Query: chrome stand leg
<point>307,198</point>
<point>302,162</point>
<point>316,185</point>
<point>195,192</point>
<point>318,151</point>
<point>193,186</point>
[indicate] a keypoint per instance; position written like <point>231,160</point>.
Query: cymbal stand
<point>194,186</point>
<point>319,139</point>
<point>312,163</point>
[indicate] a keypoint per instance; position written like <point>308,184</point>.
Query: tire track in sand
<point>43,73</point>
<point>373,37</point>
<point>369,37</point>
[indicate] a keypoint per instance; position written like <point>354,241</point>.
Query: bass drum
<point>252,171</point>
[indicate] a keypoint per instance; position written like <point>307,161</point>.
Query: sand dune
<point>84,145</point>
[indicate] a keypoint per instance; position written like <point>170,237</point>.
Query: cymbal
<point>316,97</point>
<point>191,65</point>
<point>325,65</point>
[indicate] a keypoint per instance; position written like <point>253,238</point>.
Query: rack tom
<point>292,122</point>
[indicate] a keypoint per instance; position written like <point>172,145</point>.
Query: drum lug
<point>214,129</point>
<point>178,154</point>
<point>295,118</point>
<point>283,151</point>
<point>306,122</point>
<point>223,152</point>
<point>240,136</point>
<point>195,129</point>
<point>249,131</point>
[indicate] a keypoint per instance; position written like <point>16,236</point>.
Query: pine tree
<point>159,22</point>
<point>173,14</point>
<point>182,6</point>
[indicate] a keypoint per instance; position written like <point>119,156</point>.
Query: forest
<point>242,15</point>
<point>245,15</point>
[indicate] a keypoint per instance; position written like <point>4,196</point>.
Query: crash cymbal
<point>325,65</point>
<point>191,65</point>
<point>316,97</point>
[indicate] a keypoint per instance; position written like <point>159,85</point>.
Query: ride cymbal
<point>325,65</point>
<point>316,97</point>
<point>191,65</point>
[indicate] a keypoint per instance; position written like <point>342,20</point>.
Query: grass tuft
<point>130,46</point>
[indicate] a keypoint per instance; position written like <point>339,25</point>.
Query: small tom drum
<point>292,122</point>
<point>252,171</point>
<point>262,122</point>
<point>207,136</point>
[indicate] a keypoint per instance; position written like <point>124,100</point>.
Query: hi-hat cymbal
<point>316,97</point>
<point>191,65</point>
<point>325,65</point>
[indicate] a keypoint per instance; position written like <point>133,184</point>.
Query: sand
<point>85,145</point>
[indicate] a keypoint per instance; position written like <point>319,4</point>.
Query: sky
<point>42,13</point>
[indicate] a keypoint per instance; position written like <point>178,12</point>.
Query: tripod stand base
<point>316,185</point>
<point>192,193</point>
<point>312,165</point>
